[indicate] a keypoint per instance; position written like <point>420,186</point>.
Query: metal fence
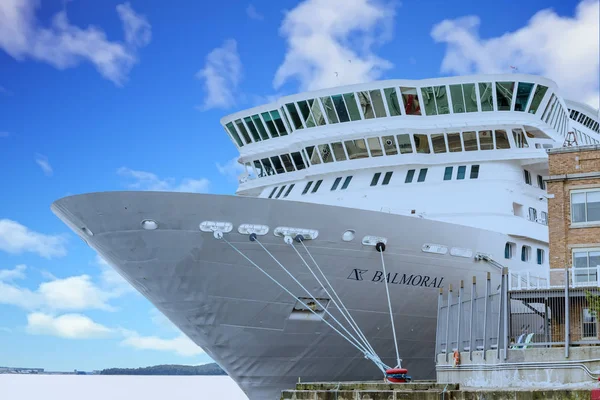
<point>517,316</point>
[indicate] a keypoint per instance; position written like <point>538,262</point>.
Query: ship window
<point>375,179</point>
<point>523,93</point>
<point>389,145</point>
<point>316,112</point>
<point>336,183</point>
<point>243,131</point>
<point>474,172</point>
<point>307,187</point>
<point>346,182</point>
<point>277,164</point>
<point>541,183</point>
<point>338,102</point>
<point>387,177</point>
<point>297,157</point>
<point>438,142</point>
<point>261,128</point>
<point>470,141</point>
<point>409,176</point>
<point>422,175</point>
<point>291,107</point>
<point>509,249</point>
<point>421,143</point>
<point>540,256</point>
<point>317,186</point>
<point>410,100</point>
<point>279,122</point>
<point>234,134</point>
<point>280,191</point>
<point>525,253</point>
<point>486,141</point>
<point>470,97</point>
<point>520,139</point>
<point>375,147</point>
<point>352,107</point>
<point>270,124</point>
<point>486,96</point>
<point>269,170</point>
<point>273,192</point>
<point>501,140</point>
<point>428,101</point>
<point>538,95</point>
<point>458,101</point>
<point>313,156</point>
<point>365,104</point>
<point>259,169</point>
<point>306,115</point>
<point>356,149</point>
<point>448,173</point>
<point>461,172</point>
<point>252,128</point>
<point>527,177</point>
<point>338,151</point>
<point>329,110</point>
<point>392,101</point>
<point>504,95</point>
<point>377,102</point>
<point>287,163</point>
<point>581,117</point>
<point>325,153</point>
<point>454,144</point>
<point>549,108</point>
<point>404,144</point>
<point>289,190</point>
<point>441,99</point>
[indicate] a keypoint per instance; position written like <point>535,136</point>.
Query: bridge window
<point>269,170</point>
<point>325,153</point>
<point>428,101</point>
<point>404,144</point>
<point>501,140</point>
<point>525,253</point>
<point>365,104</point>
<point>410,100</point>
<point>470,97</point>
<point>329,110</point>
<point>279,122</point>
<point>392,101</point>
<point>291,107</point>
<point>509,250</point>
<point>549,108</point>
<point>252,128</point>
<point>313,156</point>
<point>259,169</point>
<point>474,172</point>
<point>524,90</point>
<point>280,191</point>
<point>441,99</point>
<point>461,172</point>
<point>346,182</point>
<point>307,187</point>
<point>273,192</point>
<point>470,140</point>
<point>289,190</point>
<point>409,176</point>
<point>270,124</point>
<point>538,95</point>
<point>448,173</point>
<point>387,177</point>
<point>261,128</point>
<point>336,183</point>
<point>486,96</point>
<point>504,95</point>
<point>287,163</point>
<point>458,101</point>
<point>438,142</point>
<point>375,147</point>
<point>338,103</point>
<point>375,179</point>
<point>389,145</point>
<point>305,111</point>
<point>377,101</point>
<point>243,130</point>
<point>234,134</point>
<point>317,186</point>
<point>454,143</point>
<point>338,151</point>
<point>350,100</point>
<point>486,141</point>
<point>277,164</point>
<point>421,143</point>
<point>356,149</point>
<point>422,175</point>
<point>520,139</point>
<point>298,160</point>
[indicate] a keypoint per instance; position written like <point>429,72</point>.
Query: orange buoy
<point>456,358</point>
<point>397,375</point>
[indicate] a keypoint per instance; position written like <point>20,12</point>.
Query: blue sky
<point>107,95</point>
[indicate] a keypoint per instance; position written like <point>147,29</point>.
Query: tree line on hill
<point>206,369</point>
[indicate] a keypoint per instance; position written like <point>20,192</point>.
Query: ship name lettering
<point>399,279</point>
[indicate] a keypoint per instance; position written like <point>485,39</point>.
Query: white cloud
<point>12,274</point>
<point>563,48</point>
<point>63,45</point>
<point>221,74</point>
<point>180,345</point>
<point>231,169</point>
<point>253,13</point>
<point>42,161</point>
<point>16,239</point>
<point>142,180</point>
<point>69,326</point>
<point>330,42</point>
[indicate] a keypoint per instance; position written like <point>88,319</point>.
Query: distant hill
<point>206,369</point>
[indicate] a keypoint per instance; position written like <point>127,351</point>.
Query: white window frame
<point>586,222</point>
<point>590,269</point>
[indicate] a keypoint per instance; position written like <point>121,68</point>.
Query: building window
<point>448,173</point>
<point>589,324</point>
<point>375,179</point>
<point>541,183</point>
<point>336,183</point>
<point>525,253</point>
<point>409,176</point>
<point>387,177</point>
<point>346,182</point>
<point>273,192</point>
<point>527,177</point>
<point>317,186</point>
<point>585,265</point>
<point>422,175</point>
<point>540,256</point>
<point>289,190</point>
<point>307,187</point>
<point>280,192</point>
<point>509,250</point>
<point>461,172</point>
<point>474,171</point>
<point>532,214</point>
<point>585,206</point>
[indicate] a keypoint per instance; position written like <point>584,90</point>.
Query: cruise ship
<point>357,204</point>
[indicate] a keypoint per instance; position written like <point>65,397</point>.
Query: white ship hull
<point>242,319</point>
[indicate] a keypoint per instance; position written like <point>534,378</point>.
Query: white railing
<point>524,280</point>
<point>578,277</point>
<point>585,277</point>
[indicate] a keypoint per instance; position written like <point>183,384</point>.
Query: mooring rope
<point>381,248</point>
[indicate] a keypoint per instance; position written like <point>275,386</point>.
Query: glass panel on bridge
<point>338,151</point>
<point>486,96</point>
<point>329,110</point>
<point>261,128</point>
<point>269,170</point>
<point>421,143</point>
<point>306,115</point>
<point>410,100</point>
<point>259,169</point>
<point>243,130</point>
<point>270,124</point>
<point>538,95</point>
<point>441,99</point>
<point>298,160</point>
<point>438,143</point>
<point>470,140</point>
<point>365,104</point>
<point>454,143</point>
<point>356,149</point>
<point>278,122</point>
<point>470,97</point>
<point>377,101</point>
<point>428,101</point>
<point>392,101</point>
<point>277,164</point>
<point>501,140</point>
<point>350,100</point>
<point>233,133</point>
<point>313,156</point>
<point>389,145</point>
<point>404,144</point>
<point>252,128</point>
<point>375,147</point>
<point>340,107</point>
<point>504,95</point>
<point>287,162</point>
<point>524,90</point>
<point>291,107</point>
<point>486,141</point>
<point>520,139</point>
<point>325,153</point>
<point>458,101</point>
